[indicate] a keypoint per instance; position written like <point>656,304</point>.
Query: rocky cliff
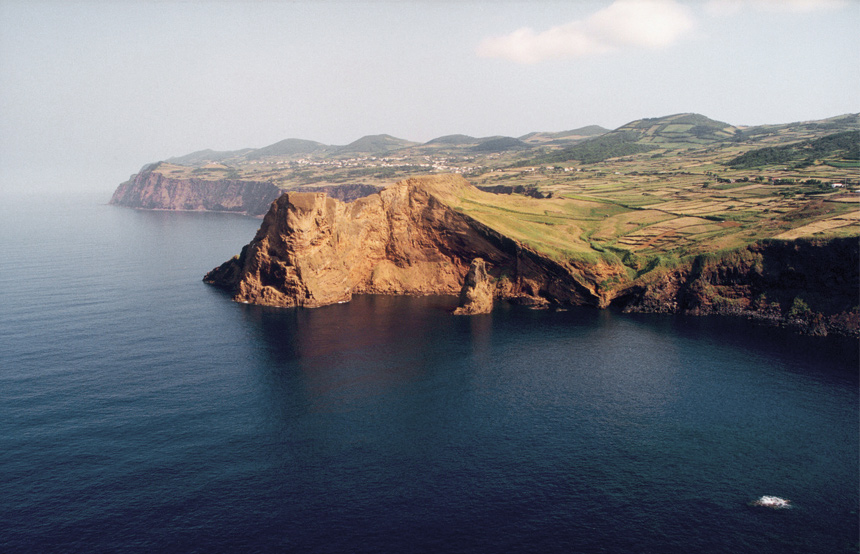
<point>811,285</point>
<point>152,190</point>
<point>313,250</point>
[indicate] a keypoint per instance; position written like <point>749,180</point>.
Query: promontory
<point>440,235</point>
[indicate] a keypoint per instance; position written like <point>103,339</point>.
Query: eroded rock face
<point>476,296</point>
<point>312,250</point>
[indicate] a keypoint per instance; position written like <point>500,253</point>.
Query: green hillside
<point>642,135</point>
<point>562,136</point>
<point>611,145</point>
<point>680,128</point>
<point>501,144</point>
<point>453,140</point>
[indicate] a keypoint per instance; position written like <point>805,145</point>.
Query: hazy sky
<point>91,91</point>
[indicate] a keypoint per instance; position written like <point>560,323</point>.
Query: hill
<point>721,186</point>
<point>453,140</point>
<point>642,135</point>
<point>611,145</point>
<point>287,147</point>
<point>375,144</point>
<point>685,128</point>
<point>563,136</point>
<point>501,144</point>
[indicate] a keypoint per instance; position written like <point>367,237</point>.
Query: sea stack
<point>476,296</point>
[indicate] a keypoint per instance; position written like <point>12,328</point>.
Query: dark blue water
<point>142,411</point>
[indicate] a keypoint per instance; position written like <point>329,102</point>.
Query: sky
<point>92,91</point>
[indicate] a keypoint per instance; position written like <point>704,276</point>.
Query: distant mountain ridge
<point>384,144</point>
<point>588,144</point>
<point>684,130</point>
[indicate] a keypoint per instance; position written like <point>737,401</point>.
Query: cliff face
<point>154,191</point>
<point>813,285</point>
<point>313,250</point>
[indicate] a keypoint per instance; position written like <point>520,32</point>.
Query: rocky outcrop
<point>476,296</point>
<point>313,250</point>
<point>151,190</point>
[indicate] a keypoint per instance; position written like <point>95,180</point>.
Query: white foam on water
<point>774,502</point>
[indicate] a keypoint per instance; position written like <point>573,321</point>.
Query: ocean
<point>143,411</point>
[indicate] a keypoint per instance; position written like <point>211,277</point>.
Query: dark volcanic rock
<point>813,285</point>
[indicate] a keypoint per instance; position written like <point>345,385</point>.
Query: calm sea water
<point>142,411</point>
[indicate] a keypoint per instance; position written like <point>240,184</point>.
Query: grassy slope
<point>621,222</point>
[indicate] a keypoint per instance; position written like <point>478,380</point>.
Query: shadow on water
<point>576,430</point>
<point>835,356</point>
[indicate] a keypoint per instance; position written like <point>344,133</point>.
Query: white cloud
<point>732,7</point>
<point>649,24</point>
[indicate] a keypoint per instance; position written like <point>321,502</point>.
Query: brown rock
<point>476,296</point>
<point>312,250</point>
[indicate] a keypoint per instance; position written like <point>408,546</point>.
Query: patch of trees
<point>845,146</point>
<point>501,144</point>
<point>612,145</point>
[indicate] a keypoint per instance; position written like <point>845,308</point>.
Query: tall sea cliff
<point>152,190</point>
<point>312,250</point>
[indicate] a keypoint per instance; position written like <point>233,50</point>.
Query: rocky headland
<point>151,189</point>
<point>312,250</point>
